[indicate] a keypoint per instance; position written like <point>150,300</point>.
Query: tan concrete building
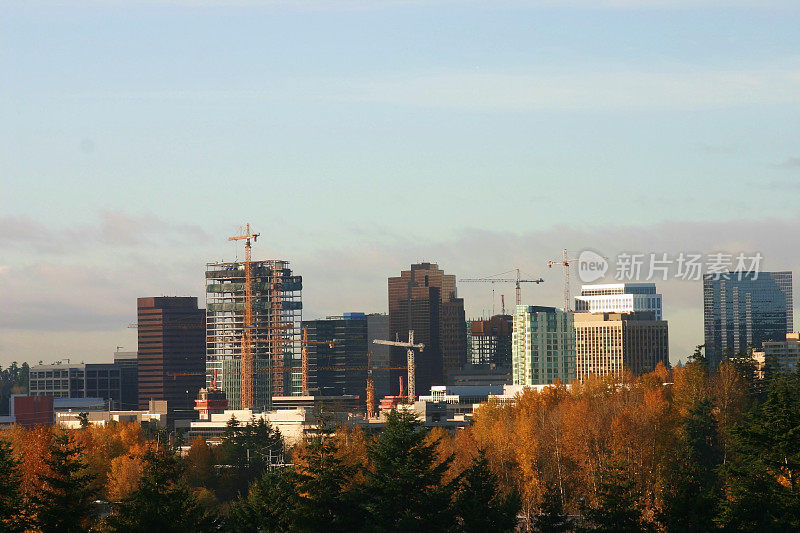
<point>779,356</point>
<point>609,343</point>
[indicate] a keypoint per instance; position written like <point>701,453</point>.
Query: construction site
<point>254,313</point>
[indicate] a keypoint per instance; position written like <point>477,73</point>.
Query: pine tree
<point>763,477</point>
<point>404,486</point>
<point>11,504</point>
<point>161,502</point>
<point>478,505</point>
<point>616,510</point>
<point>692,491</point>
<point>64,500</point>
<point>272,505</point>
<point>552,518</point>
<point>327,500</point>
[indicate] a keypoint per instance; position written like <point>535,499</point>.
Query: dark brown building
<point>424,299</point>
<point>172,352</point>
<point>489,341</point>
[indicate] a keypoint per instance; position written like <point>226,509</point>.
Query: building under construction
<point>274,334</point>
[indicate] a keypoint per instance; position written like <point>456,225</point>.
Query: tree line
<point>687,449</point>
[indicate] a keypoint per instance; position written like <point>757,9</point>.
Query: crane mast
<point>564,262</point>
<point>410,347</point>
<point>246,362</point>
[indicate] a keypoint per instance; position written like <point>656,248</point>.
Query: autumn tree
<point>63,501</point>
<point>199,464</point>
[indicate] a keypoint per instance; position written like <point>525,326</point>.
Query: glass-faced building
<point>743,309</point>
<point>542,345</point>
<point>619,298</point>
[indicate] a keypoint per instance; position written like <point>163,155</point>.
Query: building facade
<point>619,298</point>
<point>378,328</point>
<point>779,356</point>
<point>423,299</point>
<point>171,352</point>
<point>611,343</point>
<point>489,341</point>
<point>277,312</point>
<point>340,369</point>
<point>543,346</point>
<point>77,381</point>
<point>745,309</point>
<point>128,363</point>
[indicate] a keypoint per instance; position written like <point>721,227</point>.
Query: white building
<point>619,298</point>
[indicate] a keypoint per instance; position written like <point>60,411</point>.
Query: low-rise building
<point>779,356</point>
<point>90,380</point>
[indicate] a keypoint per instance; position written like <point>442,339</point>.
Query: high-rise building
<point>275,333</point>
<point>610,343</point>
<point>378,328</point>
<point>171,352</point>
<point>619,298</point>
<point>128,363</point>
<point>743,309</point>
<point>489,341</point>
<point>340,369</point>
<point>70,380</point>
<point>423,299</point>
<point>543,345</point>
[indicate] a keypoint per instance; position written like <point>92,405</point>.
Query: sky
<point>359,137</point>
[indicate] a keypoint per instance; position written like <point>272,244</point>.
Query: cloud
<point>792,162</point>
<point>113,228</point>
<point>584,88</point>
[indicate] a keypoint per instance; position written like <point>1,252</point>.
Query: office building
<point>128,363</point>
<point>745,309</point>
<point>610,343</point>
<point>543,345</point>
<point>378,328</point>
<point>779,356</point>
<point>489,341</point>
<point>275,333</point>
<point>423,299</point>
<point>171,352</point>
<point>101,380</point>
<point>619,298</point>
<point>338,369</point>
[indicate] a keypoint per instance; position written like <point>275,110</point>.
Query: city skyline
<point>483,138</point>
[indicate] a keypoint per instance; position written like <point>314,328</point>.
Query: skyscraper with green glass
<point>542,345</point>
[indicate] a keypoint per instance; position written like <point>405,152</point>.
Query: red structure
<point>29,411</point>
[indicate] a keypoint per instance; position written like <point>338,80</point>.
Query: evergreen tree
<point>763,477</point>
<point>161,502</point>
<point>617,510</point>
<point>249,449</point>
<point>552,518</point>
<point>11,504</point>
<point>271,505</point>
<point>692,489</point>
<point>63,502</point>
<point>328,501</point>
<point>478,506</point>
<point>404,486</point>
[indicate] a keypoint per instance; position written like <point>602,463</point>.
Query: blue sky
<point>361,136</point>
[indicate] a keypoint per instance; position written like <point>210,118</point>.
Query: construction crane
<point>565,262</point>
<point>247,354</point>
<point>517,281</point>
<point>410,347</point>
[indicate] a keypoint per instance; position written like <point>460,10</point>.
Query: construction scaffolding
<point>274,332</point>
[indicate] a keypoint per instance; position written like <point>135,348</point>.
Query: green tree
<point>271,505</point>
<point>327,499</point>
<point>479,506</point>
<point>616,510</point>
<point>249,450</point>
<point>552,518</point>
<point>161,502</point>
<point>692,479</point>
<point>763,477</point>
<point>404,485</point>
<point>83,419</point>
<point>63,502</point>
<point>11,504</point>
